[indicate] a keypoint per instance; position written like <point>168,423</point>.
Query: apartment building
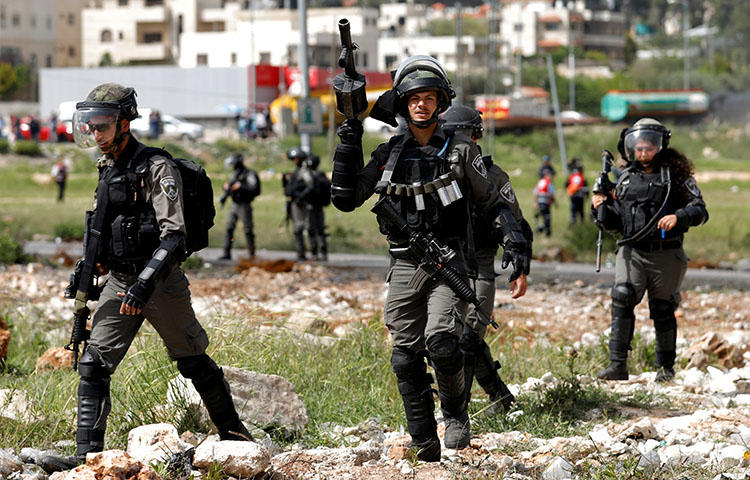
<point>69,33</point>
<point>272,36</point>
<point>28,32</point>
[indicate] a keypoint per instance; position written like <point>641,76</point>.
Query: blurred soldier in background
<point>321,197</point>
<point>299,186</point>
<point>243,186</point>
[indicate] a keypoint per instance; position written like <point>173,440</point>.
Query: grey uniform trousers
<point>244,212</point>
<point>484,286</point>
<point>411,316</point>
<point>168,310</point>
<point>659,272</point>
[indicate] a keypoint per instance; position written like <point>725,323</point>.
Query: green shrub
<point>28,148</point>
<point>10,250</point>
<point>4,145</point>
<point>69,231</point>
<point>580,240</point>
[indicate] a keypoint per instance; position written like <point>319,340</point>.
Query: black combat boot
<point>448,362</point>
<point>227,255</point>
<point>419,405</point>
<point>665,358</point>
<point>299,245</point>
<point>619,344</point>
<point>208,380</point>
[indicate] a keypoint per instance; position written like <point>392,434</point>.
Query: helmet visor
<point>94,125</point>
<point>640,142</point>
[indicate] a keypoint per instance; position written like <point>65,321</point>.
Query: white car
<point>370,125</point>
<point>172,127</point>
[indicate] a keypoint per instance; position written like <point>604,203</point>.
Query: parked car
<point>171,127</point>
<point>370,125</point>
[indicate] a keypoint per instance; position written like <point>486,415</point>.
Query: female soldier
<point>653,204</point>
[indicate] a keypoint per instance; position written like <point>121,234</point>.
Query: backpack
<point>321,195</point>
<point>197,199</point>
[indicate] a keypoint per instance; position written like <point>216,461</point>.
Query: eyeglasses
<point>101,127</point>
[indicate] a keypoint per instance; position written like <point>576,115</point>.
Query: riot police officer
<point>429,178</point>
<point>138,229</point>
<point>242,187</point>
<point>654,203</point>
<point>299,187</point>
<point>320,198</point>
<point>478,361</point>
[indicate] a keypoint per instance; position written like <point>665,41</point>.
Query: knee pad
<point>407,364</point>
<point>623,295</point>
<point>91,368</point>
<point>444,353</point>
<point>662,313</point>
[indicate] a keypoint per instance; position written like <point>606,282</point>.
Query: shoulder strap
<point>390,165</point>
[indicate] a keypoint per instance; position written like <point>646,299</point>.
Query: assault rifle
<point>603,186</point>
<point>433,258</point>
<point>351,97</point>
<point>228,190</point>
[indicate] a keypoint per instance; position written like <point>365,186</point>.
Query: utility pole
<point>685,46</point>
<point>571,61</point>
<point>491,61</point>
<point>558,122</point>
<point>305,142</point>
<point>253,65</point>
<point>459,55</point>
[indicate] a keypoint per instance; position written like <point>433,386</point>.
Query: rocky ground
<point>709,429</point>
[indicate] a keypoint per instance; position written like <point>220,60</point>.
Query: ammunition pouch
<point>134,237</point>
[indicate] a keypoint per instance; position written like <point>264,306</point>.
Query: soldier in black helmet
<point>138,229</point>
<point>427,176</point>
<point>299,187</point>
<point>654,203</point>
<point>320,198</point>
<point>478,361</point>
<point>242,188</point>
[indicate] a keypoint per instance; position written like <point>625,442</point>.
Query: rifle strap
<point>390,165</point>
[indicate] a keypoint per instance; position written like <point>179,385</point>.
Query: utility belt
<point>656,245</point>
<point>128,267</point>
<point>446,187</point>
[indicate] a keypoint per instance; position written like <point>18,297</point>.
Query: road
<point>540,271</point>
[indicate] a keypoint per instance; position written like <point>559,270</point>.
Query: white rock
<point>678,437</point>
<point>549,378</point>
<point>649,461</point>
<point>642,429</point>
<point>729,456</point>
<point>650,444</point>
<point>692,377</point>
<point>14,405</point>
<point>559,469</point>
<point>703,449</point>
<point>238,459</point>
<point>155,443</point>
<point>601,437</point>
<point>672,455</point>
<point>9,463</point>
<point>589,339</point>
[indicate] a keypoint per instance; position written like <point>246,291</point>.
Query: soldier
<point>299,187</point>
<point>141,245</point>
<point>654,203</point>
<point>242,187</point>
<point>428,177</point>
<point>478,361</point>
<point>321,197</point>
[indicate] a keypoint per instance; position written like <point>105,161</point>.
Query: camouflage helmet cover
<point>112,95</point>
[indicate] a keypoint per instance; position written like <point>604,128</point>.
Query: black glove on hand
<point>516,255</point>
<point>138,294</point>
<point>350,132</point>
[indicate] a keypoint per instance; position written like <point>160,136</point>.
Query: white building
<point>391,50</point>
<point>272,37</point>
<point>28,32</point>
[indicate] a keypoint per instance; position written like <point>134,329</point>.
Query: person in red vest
<point>544,198</point>
<point>578,190</point>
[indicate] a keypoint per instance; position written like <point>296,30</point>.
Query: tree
<point>8,80</point>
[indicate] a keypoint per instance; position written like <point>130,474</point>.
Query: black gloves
<point>138,294</point>
<point>350,132</point>
<point>516,254</point>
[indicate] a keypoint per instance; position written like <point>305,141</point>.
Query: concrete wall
<point>188,93</point>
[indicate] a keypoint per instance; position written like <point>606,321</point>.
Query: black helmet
<point>418,73</point>
<point>463,119</point>
<point>295,152</point>
<point>233,161</point>
<point>313,161</point>
<point>646,129</point>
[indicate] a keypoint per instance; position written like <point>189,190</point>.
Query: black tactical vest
<point>131,230</point>
<point>641,196</point>
<point>422,207</point>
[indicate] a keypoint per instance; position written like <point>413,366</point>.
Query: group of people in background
<point>576,187</point>
<point>254,124</point>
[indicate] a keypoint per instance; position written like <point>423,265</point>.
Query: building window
<point>201,59</point>
<point>71,51</point>
<point>122,3</point>
<point>152,37</point>
<point>234,58</point>
<point>390,60</point>
<point>2,17</point>
<point>364,60</point>
<point>16,20</point>
<point>48,61</point>
<point>120,35</point>
<point>71,19</point>
<point>33,60</point>
<point>32,21</point>
<point>49,22</point>
<point>106,36</point>
<point>265,57</point>
<point>153,3</point>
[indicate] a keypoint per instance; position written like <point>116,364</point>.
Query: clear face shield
<point>643,145</point>
<point>95,127</point>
